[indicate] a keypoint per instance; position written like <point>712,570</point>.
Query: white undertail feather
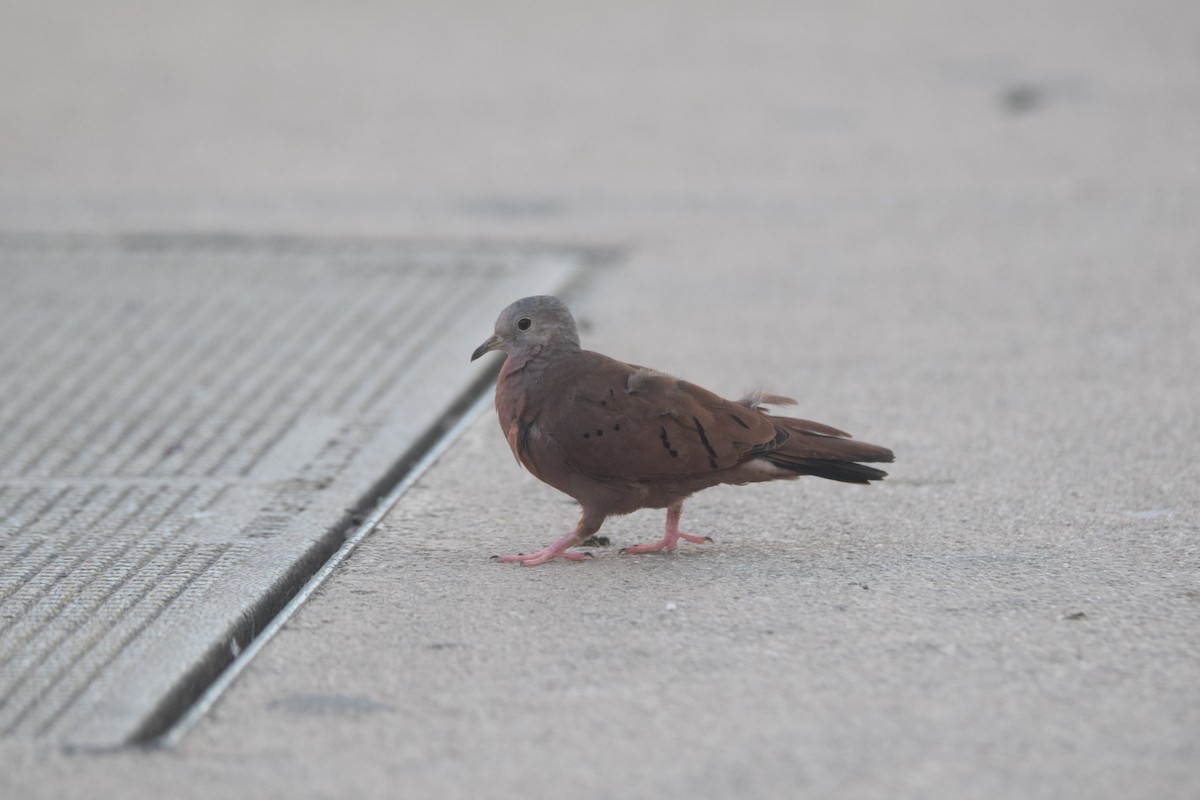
<point>759,399</point>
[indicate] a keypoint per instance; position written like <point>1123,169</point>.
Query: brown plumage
<point>618,437</point>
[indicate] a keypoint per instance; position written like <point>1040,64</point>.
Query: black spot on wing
<point>666,443</point>
<point>712,454</point>
<point>524,436</point>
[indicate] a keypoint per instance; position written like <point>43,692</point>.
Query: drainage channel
<point>193,431</point>
<point>410,469</point>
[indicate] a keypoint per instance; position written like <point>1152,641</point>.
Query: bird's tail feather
<point>814,449</point>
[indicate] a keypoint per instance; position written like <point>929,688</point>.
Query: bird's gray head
<point>533,325</point>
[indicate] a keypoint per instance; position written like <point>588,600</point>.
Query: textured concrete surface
<point>189,427</point>
<point>962,230</point>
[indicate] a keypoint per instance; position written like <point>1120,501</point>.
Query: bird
<point>619,437</point>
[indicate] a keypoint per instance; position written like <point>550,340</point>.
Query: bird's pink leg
<point>670,538</point>
<point>586,528</point>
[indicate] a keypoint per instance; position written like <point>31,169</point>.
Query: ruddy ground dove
<point>619,437</point>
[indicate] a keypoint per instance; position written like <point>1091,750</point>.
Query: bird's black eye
<point>523,323</point>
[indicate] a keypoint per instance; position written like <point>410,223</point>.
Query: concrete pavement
<point>962,231</point>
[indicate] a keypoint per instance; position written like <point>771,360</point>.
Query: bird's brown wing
<point>625,423</point>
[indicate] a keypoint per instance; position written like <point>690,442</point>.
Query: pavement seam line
<point>456,421</point>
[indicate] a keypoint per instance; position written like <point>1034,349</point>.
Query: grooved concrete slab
<point>185,422</point>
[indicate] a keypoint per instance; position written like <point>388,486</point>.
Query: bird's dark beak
<point>491,344</point>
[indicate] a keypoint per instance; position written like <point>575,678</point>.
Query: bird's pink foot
<point>671,537</point>
<point>540,557</point>
<point>556,550</point>
<point>668,543</point>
